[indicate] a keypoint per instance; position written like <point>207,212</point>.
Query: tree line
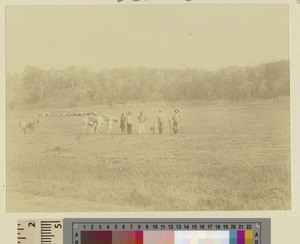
<point>73,86</point>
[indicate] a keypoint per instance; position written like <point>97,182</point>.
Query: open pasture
<point>226,157</point>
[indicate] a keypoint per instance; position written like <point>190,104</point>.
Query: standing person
<point>129,123</point>
<point>160,120</point>
<point>110,125</point>
<point>141,119</point>
<point>175,119</point>
<point>126,124</point>
<point>123,123</point>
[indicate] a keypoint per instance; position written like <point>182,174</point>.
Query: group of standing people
<point>126,122</point>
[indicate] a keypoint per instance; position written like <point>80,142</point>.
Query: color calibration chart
<point>167,231</point>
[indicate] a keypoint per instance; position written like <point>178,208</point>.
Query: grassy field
<point>226,157</point>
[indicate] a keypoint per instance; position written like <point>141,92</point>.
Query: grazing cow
<point>91,114</point>
<point>94,121</point>
<point>29,125</point>
<point>44,114</point>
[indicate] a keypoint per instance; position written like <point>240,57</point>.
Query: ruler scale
<point>20,236</point>
<point>40,231</point>
<point>144,231</point>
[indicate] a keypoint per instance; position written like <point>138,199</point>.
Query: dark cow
<point>29,125</point>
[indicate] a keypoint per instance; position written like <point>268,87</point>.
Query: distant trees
<point>14,93</point>
<point>34,82</point>
<point>80,86</point>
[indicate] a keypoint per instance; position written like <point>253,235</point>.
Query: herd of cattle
<point>89,119</point>
<point>67,114</point>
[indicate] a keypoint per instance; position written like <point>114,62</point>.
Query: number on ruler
<point>31,224</point>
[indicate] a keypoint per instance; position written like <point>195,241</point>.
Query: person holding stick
<point>175,119</point>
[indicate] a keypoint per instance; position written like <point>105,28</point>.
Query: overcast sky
<point>162,36</point>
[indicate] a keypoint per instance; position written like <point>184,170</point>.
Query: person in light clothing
<point>110,125</point>
<point>160,121</point>
<point>141,120</point>
<point>129,121</point>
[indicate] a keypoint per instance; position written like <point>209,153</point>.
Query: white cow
<point>94,121</point>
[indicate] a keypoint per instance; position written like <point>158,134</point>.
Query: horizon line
<point>181,67</point>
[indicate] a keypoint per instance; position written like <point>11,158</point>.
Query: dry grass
<point>227,157</point>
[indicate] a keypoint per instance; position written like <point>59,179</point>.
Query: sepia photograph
<point>147,107</point>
